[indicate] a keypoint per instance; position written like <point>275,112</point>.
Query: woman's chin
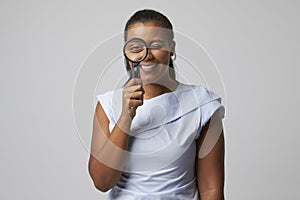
<point>154,78</point>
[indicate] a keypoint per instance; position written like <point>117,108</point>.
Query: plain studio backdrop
<point>44,44</point>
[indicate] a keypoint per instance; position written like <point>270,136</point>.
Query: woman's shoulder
<point>111,102</point>
<point>188,86</point>
<point>110,99</point>
<point>197,91</point>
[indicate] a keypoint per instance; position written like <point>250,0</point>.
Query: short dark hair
<point>147,15</point>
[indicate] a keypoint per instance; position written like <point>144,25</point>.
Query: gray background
<point>255,45</point>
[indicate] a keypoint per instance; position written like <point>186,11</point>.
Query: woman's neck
<point>156,89</point>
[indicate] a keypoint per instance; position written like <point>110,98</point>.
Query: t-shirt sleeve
<point>105,101</point>
<point>111,103</point>
<point>211,107</point>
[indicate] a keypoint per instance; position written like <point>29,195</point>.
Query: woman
<point>156,138</point>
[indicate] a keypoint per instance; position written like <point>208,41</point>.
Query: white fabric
<point>162,148</point>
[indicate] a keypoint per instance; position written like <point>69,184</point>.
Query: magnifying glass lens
<point>135,50</point>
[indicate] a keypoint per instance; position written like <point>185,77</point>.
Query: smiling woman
<point>155,67</point>
<point>157,138</point>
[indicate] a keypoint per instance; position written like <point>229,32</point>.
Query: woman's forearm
<point>107,161</point>
<point>212,195</point>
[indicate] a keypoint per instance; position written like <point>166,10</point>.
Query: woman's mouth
<point>148,68</point>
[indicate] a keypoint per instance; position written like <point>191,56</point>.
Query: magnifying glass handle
<point>135,72</point>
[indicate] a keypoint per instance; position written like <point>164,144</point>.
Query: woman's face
<point>155,67</point>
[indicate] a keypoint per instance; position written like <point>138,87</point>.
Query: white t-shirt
<point>162,146</point>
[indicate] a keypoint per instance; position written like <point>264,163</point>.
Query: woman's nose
<point>149,55</point>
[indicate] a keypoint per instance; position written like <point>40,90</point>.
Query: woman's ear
<point>172,47</point>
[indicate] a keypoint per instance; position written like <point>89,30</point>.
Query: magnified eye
<point>135,48</point>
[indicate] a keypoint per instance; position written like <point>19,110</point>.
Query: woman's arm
<point>210,160</point>
<point>108,150</point>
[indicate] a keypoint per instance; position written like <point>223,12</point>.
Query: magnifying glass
<point>135,50</point>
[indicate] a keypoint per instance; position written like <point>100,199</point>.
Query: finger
<point>137,81</point>
<point>134,88</point>
<point>137,95</point>
<point>135,103</point>
<point>134,81</point>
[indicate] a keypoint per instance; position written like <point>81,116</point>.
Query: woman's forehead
<point>147,31</point>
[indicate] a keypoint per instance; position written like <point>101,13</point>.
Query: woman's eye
<point>136,48</point>
<point>156,46</point>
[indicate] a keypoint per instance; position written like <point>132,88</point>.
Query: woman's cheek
<point>164,57</point>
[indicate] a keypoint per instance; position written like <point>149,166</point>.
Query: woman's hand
<point>133,93</point>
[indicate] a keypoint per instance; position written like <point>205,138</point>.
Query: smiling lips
<point>148,68</point>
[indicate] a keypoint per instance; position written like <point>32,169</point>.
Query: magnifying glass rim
<point>143,41</point>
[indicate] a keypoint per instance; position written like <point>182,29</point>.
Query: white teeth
<point>148,66</point>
